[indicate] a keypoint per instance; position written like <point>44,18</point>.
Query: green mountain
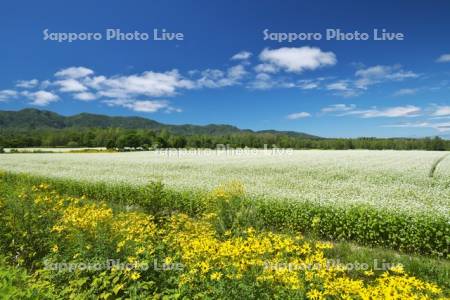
<point>29,118</point>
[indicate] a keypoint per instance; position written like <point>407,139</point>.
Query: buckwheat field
<point>254,224</point>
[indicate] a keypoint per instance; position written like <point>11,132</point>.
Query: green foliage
<point>25,223</point>
<point>421,233</point>
<point>233,211</point>
<point>16,284</point>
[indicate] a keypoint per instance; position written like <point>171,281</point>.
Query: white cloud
<point>443,58</point>
<point>74,72</point>
<point>343,88</point>
<point>243,55</point>
<point>148,106</point>
<point>374,112</point>
<point>45,84</point>
<point>338,86</point>
<point>297,59</point>
<point>405,92</point>
<point>441,111</point>
<point>85,96</point>
<point>6,95</point>
<point>27,84</point>
<point>237,72</point>
<point>265,68</point>
<point>299,115</point>
<point>70,85</point>
<point>441,127</point>
<point>214,78</point>
<point>338,108</point>
<point>149,83</point>
<point>308,84</point>
<point>379,73</point>
<point>41,98</point>
<point>263,81</point>
<point>390,112</point>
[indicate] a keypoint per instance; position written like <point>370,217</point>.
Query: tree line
<point>119,138</point>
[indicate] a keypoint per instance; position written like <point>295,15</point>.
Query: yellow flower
<point>55,249</point>
<point>368,273</point>
<point>135,276</point>
<point>314,294</point>
<point>315,222</point>
<point>216,276</point>
<point>398,269</point>
<point>168,260</point>
<point>204,266</point>
<point>58,228</point>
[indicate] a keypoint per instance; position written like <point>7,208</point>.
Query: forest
<point>121,138</point>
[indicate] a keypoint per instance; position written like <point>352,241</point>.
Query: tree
<point>110,144</point>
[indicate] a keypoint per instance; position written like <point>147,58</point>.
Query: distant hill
<point>30,118</point>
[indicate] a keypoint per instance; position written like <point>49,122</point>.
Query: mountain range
<point>30,118</point>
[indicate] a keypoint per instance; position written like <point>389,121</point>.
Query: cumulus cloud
<point>263,81</point>
<point>266,68</point>
<point>243,55</point>
<point>371,76</point>
<point>299,115</point>
<point>148,106</point>
<point>6,95</point>
<point>74,72</point>
<point>70,85</point>
<point>444,58</point>
<point>297,59</point>
<point>85,96</point>
<point>41,98</point>
<point>149,83</point>
<point>214,78</point>
<point>27,84</point>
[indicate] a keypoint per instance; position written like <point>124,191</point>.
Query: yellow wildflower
<point>55,249</point>
<point>216,276</point>
<point>135,276</point>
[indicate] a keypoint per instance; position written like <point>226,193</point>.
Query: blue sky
<point>224,71</point>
